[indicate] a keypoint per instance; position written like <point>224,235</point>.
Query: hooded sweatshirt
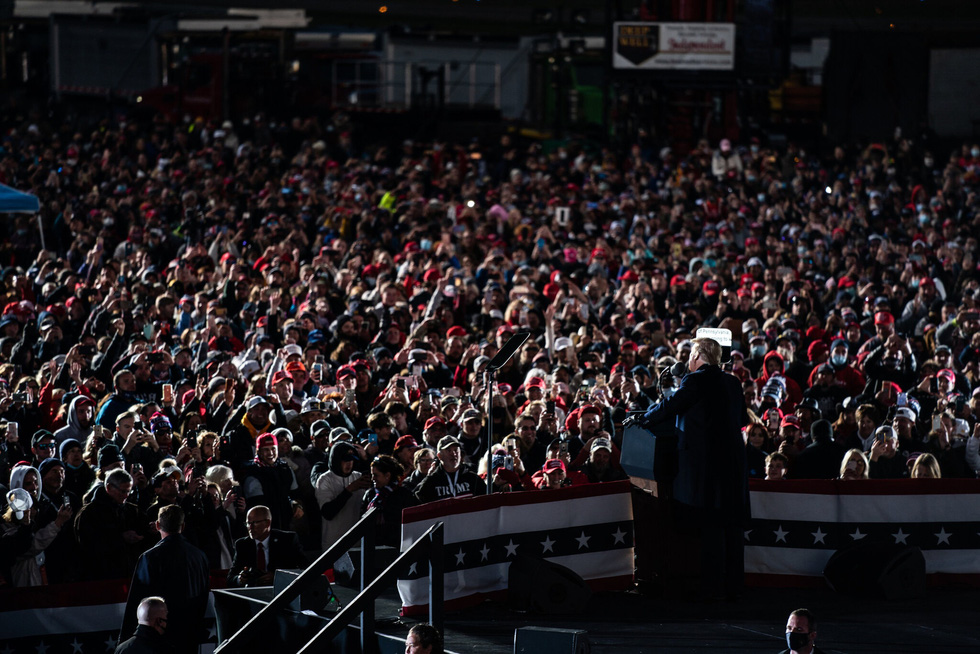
<point>74,429</point>
<point>793,392</point>
<point>26,568</point>
<point>339,507</point>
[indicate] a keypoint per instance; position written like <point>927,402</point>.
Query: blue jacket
<point>708,411</point>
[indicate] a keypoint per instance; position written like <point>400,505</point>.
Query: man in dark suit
<point>264,551</point>
<point>178,572</point>
<point>711,487</point>
<point>149,637</point>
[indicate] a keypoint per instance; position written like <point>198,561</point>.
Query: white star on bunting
<point>780,534</point>
<point>484,553</point>
<point>42,648</point>
<point>460,556</point>
<point>412,569</point>
<point>511,548</point>
<point>110,644</point>
<point>818,536</point>
<point>900,537</point>
<point>76,647</point>
<point>857,535</point>
<point>619,536</point>
<point>583,541</point>
<point>547,545</point>
<point>942,536</point>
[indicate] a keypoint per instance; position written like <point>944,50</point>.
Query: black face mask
<point>797,641</point>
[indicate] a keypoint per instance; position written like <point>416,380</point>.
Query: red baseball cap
<point>407,441</point>
<point>884,318</point>
<point>433,421</point>
<point>281,376</point>
<point>265,440</point>
<point>711,288</point>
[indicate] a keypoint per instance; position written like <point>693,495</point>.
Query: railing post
<point>436,578</point>
<point>408,85</point>
<point>472,84</point>
<point>296,587</point>
<point>368,637</point>
<point>497,82</point>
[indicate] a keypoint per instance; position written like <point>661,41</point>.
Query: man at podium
<point>711,487</point>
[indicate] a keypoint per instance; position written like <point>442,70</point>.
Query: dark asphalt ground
<point>943,621</point>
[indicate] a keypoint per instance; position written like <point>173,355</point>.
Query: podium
<point>665,557</point>
<point>650,454</point>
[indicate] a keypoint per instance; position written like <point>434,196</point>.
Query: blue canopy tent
<point>14,201</point>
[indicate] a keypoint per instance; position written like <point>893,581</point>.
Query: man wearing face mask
<point>758,348</point>
<point>801,633</point>
<point>845,375</point>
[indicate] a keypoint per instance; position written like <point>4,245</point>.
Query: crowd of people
<point>225,316</point>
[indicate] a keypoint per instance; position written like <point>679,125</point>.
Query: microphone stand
<point>490,375</point>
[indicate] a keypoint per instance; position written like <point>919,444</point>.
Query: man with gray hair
<point>110,530</point>
<point>711,487</point>
<point>149,636</point>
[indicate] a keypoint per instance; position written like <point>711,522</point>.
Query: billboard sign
<point>674,46</point>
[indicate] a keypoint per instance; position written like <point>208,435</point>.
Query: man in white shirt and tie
<point>264,551</point>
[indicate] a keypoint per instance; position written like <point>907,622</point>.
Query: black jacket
<point>145,641</point>
<point>179,573</point>
<point>708,412</point>
<point>439,485</point>
<point>99,528</point>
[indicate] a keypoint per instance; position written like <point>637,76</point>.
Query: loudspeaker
<point>877,570</point>
<point>316,596</point>
<point>541,640</point>
<point>537,585</point>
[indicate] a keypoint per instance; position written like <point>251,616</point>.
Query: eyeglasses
<point>253,523</point>
<point>47,446</point>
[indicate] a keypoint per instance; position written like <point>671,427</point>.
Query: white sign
<point>722,336</point>
<point>674,46</point>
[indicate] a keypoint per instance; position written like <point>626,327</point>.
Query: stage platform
<point>943,621</point>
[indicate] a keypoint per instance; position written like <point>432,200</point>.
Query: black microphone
<point>679,369</point>
<point>507,351</point>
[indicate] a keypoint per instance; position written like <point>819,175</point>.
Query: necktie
<point>260,558</point>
